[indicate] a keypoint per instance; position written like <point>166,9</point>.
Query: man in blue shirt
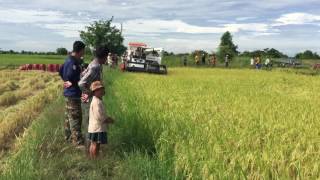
<point>70,74</point>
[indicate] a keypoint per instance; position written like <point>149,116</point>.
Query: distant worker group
<point>256,63</point>
<point>200,59</point>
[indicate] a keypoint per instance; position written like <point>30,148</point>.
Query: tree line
<point>59,51</point>
<point>227,47</point>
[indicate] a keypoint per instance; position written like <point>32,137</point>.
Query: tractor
<point>140,58</point>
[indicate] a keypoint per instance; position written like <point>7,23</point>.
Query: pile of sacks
<point>41,67</point>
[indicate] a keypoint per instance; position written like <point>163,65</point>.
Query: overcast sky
<point>176,25</point>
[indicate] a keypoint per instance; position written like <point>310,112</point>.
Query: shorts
<point>99,137</point>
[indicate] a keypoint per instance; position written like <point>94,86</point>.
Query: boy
<point>98,120</point>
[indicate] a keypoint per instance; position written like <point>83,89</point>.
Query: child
<point>98,120</point>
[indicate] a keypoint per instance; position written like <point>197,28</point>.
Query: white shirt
<point>252,61</point>
<point>267,61</point>
<point>97,116</point>
<point>110,60</point>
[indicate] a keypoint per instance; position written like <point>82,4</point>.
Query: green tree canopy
<point>227,47</point>
<point>102,34</point>
<point>62,51</point>
<point>307,55</point>
<point>271,53</point>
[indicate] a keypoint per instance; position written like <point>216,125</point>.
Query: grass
<point>14,59</point>
<point>42,153</point>
<point>8,99</point>
<point>219,124</point>
<point>18,86</point>
<point>192,124</point>
<point>237,62</point>
<point>7,60</point>
<point>21,100</point>
<point>177,61</point>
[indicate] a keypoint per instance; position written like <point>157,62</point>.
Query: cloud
<point>252,27</point>
<point>60,23</point>
<point>189,44</point>
<point>175,24</point>
<point>178,26</point>
<point>244,18</point>
<point>166,26</point>
<point>31,16</point>
<point>255,34</point>
<point>156,27</point>
<point>68,30</point>
<point>297,19</point>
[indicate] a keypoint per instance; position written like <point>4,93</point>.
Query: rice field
<point>218,124</point>
<point>22,97</point>
<point>19,59</point>
<point>194,123</point>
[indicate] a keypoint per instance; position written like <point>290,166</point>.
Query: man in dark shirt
<point>70,74</point>
<point>185,59</point>
<point>226,60</point>
<point>203,59</point>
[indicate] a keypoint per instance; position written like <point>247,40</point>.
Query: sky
<point>179,26</point>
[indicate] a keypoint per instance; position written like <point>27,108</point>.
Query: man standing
<point>203,59</point>
<point>213,60</point>
<point>197,60</point>
<point>185,60</point>
<point>109,61</point>
<point>226,60</point>
<point>267,63</point>
<point>70,74</point>
<point>91,74</point>
<point>252,62</point>
<point>258,61</point>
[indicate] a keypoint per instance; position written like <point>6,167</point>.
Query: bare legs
<point>94,150</point>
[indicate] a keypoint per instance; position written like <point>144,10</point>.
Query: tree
<point>227,47</point>
<point>307,55</point>
<point>62,51</point>
<point>199,53</point>
<point>267,52</point>
<point>102,34</point>
<point>273,53</point>
<point>88,51</point>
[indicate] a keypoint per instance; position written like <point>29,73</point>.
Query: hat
<point>96,85</point>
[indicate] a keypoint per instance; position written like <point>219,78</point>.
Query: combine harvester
<point>140,58</point>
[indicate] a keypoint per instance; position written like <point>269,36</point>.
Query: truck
<point>141,58</point>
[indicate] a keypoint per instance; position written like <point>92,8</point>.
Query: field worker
<point>115,60</point>
<point>70,73</point>
<point>267,63</point>
<point>203,58</point>
<point>197,60</point>
<point>252,62</point>
<point>258,61</point>
<point>185,60</point>
<point>226,61</point>
<point>109,61</point>
<point>97,130</point>
<point>214,60</point>
<point>91,74</point>
<point>130,56</point>
<point>124,58</point>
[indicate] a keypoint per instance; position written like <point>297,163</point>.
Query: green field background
<point>191,124</point>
